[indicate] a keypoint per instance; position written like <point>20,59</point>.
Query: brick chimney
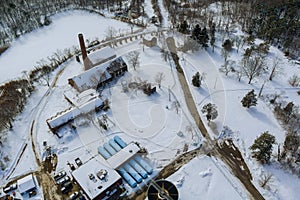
<point>82,46</point>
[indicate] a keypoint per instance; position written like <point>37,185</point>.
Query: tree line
<point>276,22</point>
<point>18,17</point>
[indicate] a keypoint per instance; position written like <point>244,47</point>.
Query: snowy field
<point>247,124</point>
<point>153,121</point>
<point>60,34</point>
<point>202,179</point>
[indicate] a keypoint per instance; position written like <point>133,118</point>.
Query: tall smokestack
<point>82,47</point>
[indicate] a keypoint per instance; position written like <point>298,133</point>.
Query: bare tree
<point>294,80</point>
<point>265,181</point>
<point>276,69</point>
<point>252,66</point>
<point>159,77</point>
<point>225,54</point>
<point>110,33</point>
<point>134,59</point>
<point>227,67</point>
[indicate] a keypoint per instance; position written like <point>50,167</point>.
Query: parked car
<point>74,195</point>
<point>9,188</point>
<point>67,187</point>
<point>32,193</point>
<point>81,197</point>
<point>78,162</point>
<point>63,180</point>
<point>59,175</point>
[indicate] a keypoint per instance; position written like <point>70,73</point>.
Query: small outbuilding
<point>26,184</point>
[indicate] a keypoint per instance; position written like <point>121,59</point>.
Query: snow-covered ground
<point>153,121</point>
<point>247,124</point>
<point>201,178</point>
<point>60,34</point>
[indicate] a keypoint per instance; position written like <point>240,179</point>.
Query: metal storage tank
<point>120,142</point>
<point>114,145</point>
<point>133,173</point>
<point>110,150</point>
<point>103,153</point>
<point>138,168</point>
<point>127,177</point>
<point>144,164</point>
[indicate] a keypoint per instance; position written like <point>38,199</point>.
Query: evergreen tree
<point>227,45</point>
<point>250,99</point>
<point>196,33</point>
<point>196,80</point>
<point>262,147</point>
<point>211,111</point>
<point>203,38</point>
<point>183,27</point>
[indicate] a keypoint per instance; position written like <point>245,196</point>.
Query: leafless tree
<point>225,54</point>
<point>134,59</point>
<point>265,181</point>
<point>110,33</point>
<point>159,77</point>
<point>276,69</point>
<point>252,66</point>
<point>228,66</point>
<point>294,80</point>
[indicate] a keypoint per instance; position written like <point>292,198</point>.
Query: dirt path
<point>228,152</point>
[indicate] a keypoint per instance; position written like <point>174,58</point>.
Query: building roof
<point>91,78</point>
<point>94,187</point>
<point>25,184</point>
<point>78,99</point>
<point>102,55</point>
<point>72,113</point>
<point>123,155</point>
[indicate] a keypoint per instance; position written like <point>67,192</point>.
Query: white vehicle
<point>63,180</point>
<point>74,195</point>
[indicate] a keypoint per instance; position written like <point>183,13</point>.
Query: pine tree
<point>262,147</point>
<point>183,27</point>
<point>227,45</point>
<point>249,100</point>
<point>211,111</point>
<point>196,80</point>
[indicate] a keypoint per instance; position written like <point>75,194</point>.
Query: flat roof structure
<point>123,155</point>
<point>26,184</point>
<point>69,114</point>
<point>96,178</point>
<point>102,55</point>
<point>78,99</point>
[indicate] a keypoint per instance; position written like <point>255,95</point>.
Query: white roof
<point>91,78</point>
<point>91,188</point>
<point>102,55</point>
<point>123,155</point>
<point>72,113</point>
<point>78,99</point>
<point>25,184</point>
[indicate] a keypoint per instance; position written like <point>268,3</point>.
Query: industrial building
<point>26,184</point>
<point>99,75</point>
<point>64,117</point>
<point>97,179</point>
<point>125,160</point>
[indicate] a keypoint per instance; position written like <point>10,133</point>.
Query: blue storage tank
<point>120,142</point>
<point>103,153</point>
<point>110,150</point>
<point>138,168</point>
<point>114,145</point>
<point>144,164</point>
<point>133,173</point>
<point>127,177</point>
